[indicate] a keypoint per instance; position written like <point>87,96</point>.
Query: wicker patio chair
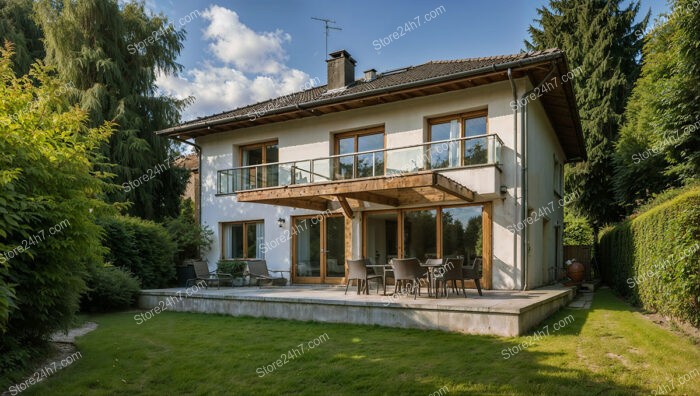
<point>407,272</point>
<point>358,271</point>
<point>473,272</point>
<point>452,271</point>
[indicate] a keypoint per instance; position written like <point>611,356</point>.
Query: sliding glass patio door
<point>455,231</point>
<point>319,249</point>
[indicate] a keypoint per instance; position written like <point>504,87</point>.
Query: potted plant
<point>575,270</point>
<point>235,268</point>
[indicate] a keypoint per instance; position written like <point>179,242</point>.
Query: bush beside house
<point>189,237</point>
<point>142,247</point>
<point>110,289</point>
<point>49,196</point>
<point>654,258</point>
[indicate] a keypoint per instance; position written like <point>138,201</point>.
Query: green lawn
<point>606,350</point>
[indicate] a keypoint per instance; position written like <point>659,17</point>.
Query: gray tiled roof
<point>383,81</point>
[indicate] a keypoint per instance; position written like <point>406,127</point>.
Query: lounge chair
<point>202,273</point>
<point>260,274</point>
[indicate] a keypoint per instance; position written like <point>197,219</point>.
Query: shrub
<point>232,267</point>
<point>49,195</point>
<point>141,247</point>
<point>110,289</point>
<point>191,239</point>
<point>654,258</point>
<point>577,230</point>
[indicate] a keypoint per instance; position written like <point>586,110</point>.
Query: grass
<point>609,350</point>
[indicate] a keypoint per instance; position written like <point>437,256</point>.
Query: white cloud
<point>218,89</point>
<point>236,43</point>
<point>248,67</point>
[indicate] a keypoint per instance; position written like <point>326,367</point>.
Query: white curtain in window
<point>260,240</point>
<point>228,243</point>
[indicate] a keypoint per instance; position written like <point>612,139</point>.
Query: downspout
<point>515,163</point>
<point>199,171</point>
<point>523,176</point>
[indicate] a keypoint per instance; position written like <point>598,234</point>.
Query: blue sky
<point>241,52</point>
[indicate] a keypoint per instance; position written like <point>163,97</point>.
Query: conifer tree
<point>18,27</point>
<point>659,145</point>
<point>94,44</point>
<point>598,36</point>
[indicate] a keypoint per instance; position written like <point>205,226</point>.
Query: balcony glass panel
<point>405,160</point>
<point>285,174</point>
<point>444,154</point>
<point>302,172</point>
<point>344,167</point>
<point>476,151</point>
<point>322,170</point>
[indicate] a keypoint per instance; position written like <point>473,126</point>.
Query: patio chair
<point>202,274</point>
<point>452,271</point>
<point>358,271</point>
<point>258,271</point>
<point>407,272</point>
<point>473,272</point>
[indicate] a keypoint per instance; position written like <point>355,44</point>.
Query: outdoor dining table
<point>431,274</point>
<point>386,268</point>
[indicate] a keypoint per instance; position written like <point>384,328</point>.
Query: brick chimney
<point>341,69</point>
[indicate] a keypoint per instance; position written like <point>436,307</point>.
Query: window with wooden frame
<point>260,154</point>
<point>243,240</point>
<point>350,165</point>
<point>462,140</point>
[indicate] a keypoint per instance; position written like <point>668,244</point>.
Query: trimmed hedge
<point>654,258</point>
<point>110,289</point>
<point>141,247</point>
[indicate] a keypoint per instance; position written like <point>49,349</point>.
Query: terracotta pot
<point>576,271</point>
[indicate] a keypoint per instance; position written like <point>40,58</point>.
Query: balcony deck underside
<point>425,187</point>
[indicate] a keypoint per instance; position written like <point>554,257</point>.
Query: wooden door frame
<point>322,278</point>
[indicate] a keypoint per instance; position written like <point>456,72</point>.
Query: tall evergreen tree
<point>659,145</point>
<point>598,36</point>
<point>18,27</point>
<point>92,44</point>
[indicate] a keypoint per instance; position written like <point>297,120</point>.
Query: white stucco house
<point>447,158</point>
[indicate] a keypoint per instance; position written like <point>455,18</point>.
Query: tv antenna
<point>328,28</point>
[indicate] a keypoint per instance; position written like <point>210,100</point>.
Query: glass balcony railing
<point>446,154</point>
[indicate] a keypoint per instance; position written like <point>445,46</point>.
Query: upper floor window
<point>464,145</point>
<point>260,154</point>
<point>350,165</point>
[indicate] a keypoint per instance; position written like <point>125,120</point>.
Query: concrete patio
<point>503,313</point>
